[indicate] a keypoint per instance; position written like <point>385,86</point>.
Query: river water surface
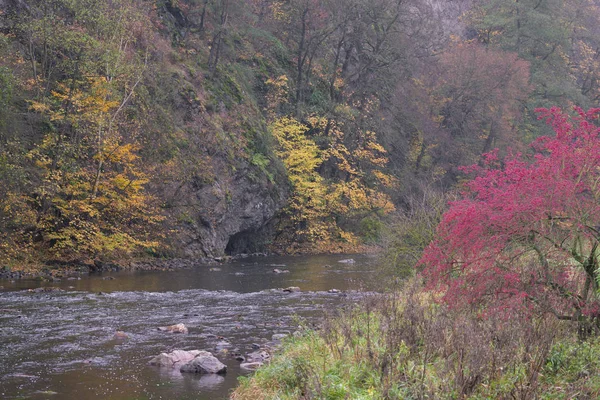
<point>60,345</point>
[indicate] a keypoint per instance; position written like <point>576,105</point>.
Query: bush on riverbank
<point>406,346</point>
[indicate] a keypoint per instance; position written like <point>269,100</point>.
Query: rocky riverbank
<point>59,270</point>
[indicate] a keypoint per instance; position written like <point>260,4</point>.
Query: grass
<point>406,346</point>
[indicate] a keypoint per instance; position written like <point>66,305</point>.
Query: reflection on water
<point>60,345</point>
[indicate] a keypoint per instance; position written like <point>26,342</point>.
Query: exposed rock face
<point>232,206</point>
<point>204,364</point>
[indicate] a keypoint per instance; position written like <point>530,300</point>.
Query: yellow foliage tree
<point>92,198</point>
<point>307,208</point>
<point>317,205</point>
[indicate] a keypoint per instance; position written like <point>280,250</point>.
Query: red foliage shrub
<point>526,232</point>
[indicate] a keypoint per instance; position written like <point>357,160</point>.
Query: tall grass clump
<point>408,346</point>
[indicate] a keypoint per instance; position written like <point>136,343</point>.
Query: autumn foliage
<point>525,234</point>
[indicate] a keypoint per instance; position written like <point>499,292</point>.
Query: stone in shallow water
<point>222,345</point>
<point>347,261</point>
<point>177,357</point>
<point>204,364</point>
<point>253,366</point>
<point>262,356</point>
<point>120,335</point>
<point>178,328</point>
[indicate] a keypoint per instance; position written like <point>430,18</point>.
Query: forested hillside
<point>197,128</point>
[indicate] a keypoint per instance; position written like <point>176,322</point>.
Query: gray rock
<point>252,366</point>
<point>347,261</point>
<point>279,336</point>
<point>204,364</point>
<point>222,345</point>
<point>178,328</point>
<point>261,356</point>
<point>235,212</point>
<point>177,358</point>
<point>120,335</point>
<point>45,289</point>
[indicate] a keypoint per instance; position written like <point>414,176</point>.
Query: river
<point>60,345</point>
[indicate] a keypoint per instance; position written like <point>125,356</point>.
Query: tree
<point>301,156</point>
<point>89,195</point>
<point>540,32</point>
<point>526,232</point>
<point>477,95</point>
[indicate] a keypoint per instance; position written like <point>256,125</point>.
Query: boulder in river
<point>204,364</point>
<point>178,328</point>
<point>281,271</point>
<point>45,289</point>
<point>252,366</point>
<point>292,289</point>
<point>261,356</point>
<point>279,336</point>
<point>347,261</point>
<point>222,345</point>
<point>120,335</point>
<point>177,358</point>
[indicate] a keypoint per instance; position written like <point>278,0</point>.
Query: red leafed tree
<point>526,233</point>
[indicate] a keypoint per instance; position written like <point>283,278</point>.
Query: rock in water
<point>347,261</point>
<point>120,335</point>
<point>204,364</point>
<point>178,328</point>
<point>281,271</point>
<point>253,366</point>
<point>222,345</point>
<point>177,357</point>
<point>262,357</point>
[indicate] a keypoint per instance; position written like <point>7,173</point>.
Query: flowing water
<point>60,345</point>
